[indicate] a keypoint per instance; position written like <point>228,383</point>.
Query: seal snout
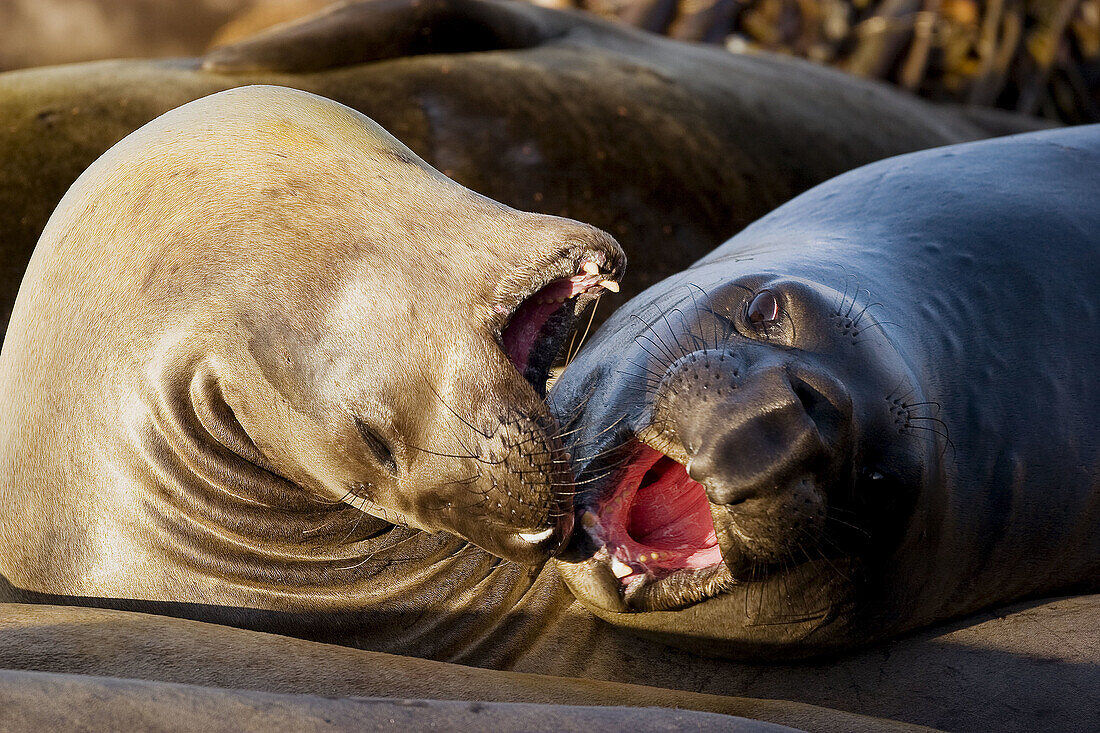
<point>743,440</point>
<point>726,481</point>
<point>531,545</point>
<point>518,495</point>
<point>763,441</point>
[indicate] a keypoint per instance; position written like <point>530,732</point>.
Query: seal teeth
<point>536,537</point>
<point>620,568</point>
<point>610,285</point>
<point>591,268</point>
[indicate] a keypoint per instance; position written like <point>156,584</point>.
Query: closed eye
<point>378,446</point>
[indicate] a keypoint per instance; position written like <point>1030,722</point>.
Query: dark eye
<point>378,446</point>
<point>764,309</point>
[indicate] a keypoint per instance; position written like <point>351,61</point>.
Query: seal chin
<point>531,548</point>
<point>535,547</point>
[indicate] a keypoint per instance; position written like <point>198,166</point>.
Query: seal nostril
<point>807,395</point>
<point>378,446</point>
<point>825,409</point>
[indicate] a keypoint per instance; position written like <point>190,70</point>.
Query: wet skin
<point>866,412</point>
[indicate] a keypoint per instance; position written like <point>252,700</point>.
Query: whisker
<point>591,316</point>
<point>455,412</point>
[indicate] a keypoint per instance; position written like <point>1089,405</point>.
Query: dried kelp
<point>1034,56</point>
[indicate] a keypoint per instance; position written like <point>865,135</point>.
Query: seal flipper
<point>357,33</point>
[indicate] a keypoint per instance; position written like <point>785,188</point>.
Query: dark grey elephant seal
<point>871,410</point>
<point>670,147</point>
<point>256,336</point>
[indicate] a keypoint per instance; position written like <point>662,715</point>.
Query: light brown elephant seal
<point>262,333</point>
<point>670,147</point>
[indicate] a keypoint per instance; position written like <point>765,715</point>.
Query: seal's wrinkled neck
<point>218,493</point>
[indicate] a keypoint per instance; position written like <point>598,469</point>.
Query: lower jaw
<point>793,613</point>
<point>678,590</point>
<point>591,579</point>
<point>589,569</point>
<point>725,615</point>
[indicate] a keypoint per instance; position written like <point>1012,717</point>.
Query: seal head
<point>740,445</point>
<point>262,306</point>
<point>789,447</point>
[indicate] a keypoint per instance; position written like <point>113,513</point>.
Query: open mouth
<point>655,525</point>
<point>537,329</point>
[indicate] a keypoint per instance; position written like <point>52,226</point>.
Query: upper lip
<point>658,440</point>
<point>522,284</point>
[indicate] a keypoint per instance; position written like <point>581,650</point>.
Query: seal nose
<point>745,435</point>
<point>757,455</point>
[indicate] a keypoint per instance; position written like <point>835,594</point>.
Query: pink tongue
<point>658,519</point>
<point>672,512</point>
<point>522,332</point>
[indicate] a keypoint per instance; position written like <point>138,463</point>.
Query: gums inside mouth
<point>656,522</point>
<point>538,327</point>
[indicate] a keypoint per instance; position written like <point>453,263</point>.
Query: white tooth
<point>535,537</point>
<point>591,268</point>
<point>560,300</point>
<point>620,568</point>
<point>610,285</point>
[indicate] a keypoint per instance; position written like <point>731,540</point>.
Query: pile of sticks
<point>1038,57</point>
